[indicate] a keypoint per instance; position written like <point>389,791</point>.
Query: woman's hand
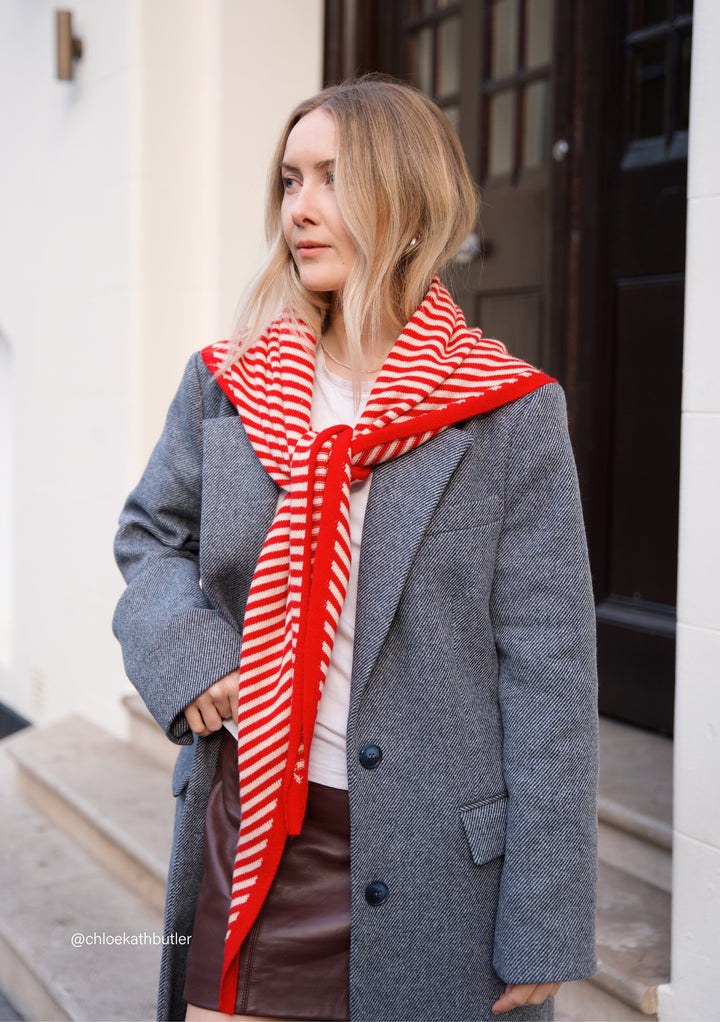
<point>206,713</point>
<point>524,993</point>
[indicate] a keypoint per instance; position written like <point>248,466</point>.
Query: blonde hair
<point>407,200</point>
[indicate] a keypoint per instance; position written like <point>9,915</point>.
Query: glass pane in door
<point>539,33</point>
<point>535,124</point>
<point>453,115</point>
<point>649,91</point>
<point>504,53</point>
<point>420,54</point>
<point>502,133</point>
<point>448,57</point>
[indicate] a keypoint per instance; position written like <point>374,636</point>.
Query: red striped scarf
<point>438,373</point>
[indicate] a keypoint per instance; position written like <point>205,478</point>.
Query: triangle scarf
<point>438,373</point>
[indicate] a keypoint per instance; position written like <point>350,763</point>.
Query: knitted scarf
<point>438,373</point>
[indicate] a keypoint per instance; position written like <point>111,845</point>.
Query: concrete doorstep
<point>635,848</point>
<point>88,823</point>
<point>146,734</point>
<point>633,944</point>
<point>635,802</point>
<point>75,941</point>
<point>104,793</point>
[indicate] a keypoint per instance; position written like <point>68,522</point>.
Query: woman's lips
<point>310,248</point>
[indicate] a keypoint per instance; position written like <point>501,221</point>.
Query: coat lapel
<point>248,492</point>
<point>403,497</point>
<point>239,501</point>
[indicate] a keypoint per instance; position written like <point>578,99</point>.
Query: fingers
<point>202,715</point>
<point>195,721</point>
<point>517,994</point>
<point>224,696</point>
<point>206,713</point>
<point>511,998</point>
<point>209,711</point>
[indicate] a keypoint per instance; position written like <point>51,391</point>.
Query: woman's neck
<point>336,347</point>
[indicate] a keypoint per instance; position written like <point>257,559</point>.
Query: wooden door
<point>490,65</point>
<point>573,116</point>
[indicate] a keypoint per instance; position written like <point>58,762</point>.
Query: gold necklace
<point>344,364</point>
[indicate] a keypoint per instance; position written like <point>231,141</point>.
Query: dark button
<point>376,893</point>
<point>370,756</point>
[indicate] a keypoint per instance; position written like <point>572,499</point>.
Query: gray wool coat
<point>474,671</point>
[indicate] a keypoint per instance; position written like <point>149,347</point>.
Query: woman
<point>383,509</point>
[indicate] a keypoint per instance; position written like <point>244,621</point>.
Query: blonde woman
<point>359,599</point>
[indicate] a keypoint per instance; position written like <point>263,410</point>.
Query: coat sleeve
<point>544,621</point>
<point>175,643</point>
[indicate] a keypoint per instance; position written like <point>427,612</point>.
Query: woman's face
<point>311,220</point>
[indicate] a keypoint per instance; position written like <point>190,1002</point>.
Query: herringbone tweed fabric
<point>473,671</point>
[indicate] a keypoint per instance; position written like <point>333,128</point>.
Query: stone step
<point>633,944</point>
<point>582,1001</point>
<point>114,798</point>
<point>50,889</point>
<point>146,733</point>
<point>635,802</point>
<point>108,795</point>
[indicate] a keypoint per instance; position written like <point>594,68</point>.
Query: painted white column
<point>692,992</point>
<point>216,81</point>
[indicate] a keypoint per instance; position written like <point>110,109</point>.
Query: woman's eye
<point>288,183</point>
<point>330,178</point>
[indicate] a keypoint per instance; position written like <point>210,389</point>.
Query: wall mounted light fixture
<point>69,47</point>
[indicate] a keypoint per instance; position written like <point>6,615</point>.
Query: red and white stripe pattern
<point>439,372</point>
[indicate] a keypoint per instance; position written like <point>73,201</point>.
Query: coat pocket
<point>458,515</point>
<point>484,824</point>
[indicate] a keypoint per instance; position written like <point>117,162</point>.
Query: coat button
<point>370,756</point>
<point>376,893</point>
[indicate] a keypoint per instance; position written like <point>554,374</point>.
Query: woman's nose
<point>304,208</point>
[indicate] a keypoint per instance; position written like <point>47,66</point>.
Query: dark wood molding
<point>359,37</point>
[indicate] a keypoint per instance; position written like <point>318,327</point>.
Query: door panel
<point>513,226</point>
<point>517,316</point>
<point>646,459</point>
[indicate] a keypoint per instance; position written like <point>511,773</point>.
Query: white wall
<point>692,993</point>
<point>131,212</point>
<point>6,519</point>
<point>216,81</point>
<point>64,314</point>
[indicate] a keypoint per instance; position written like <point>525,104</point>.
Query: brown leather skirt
<point>294,963</point>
